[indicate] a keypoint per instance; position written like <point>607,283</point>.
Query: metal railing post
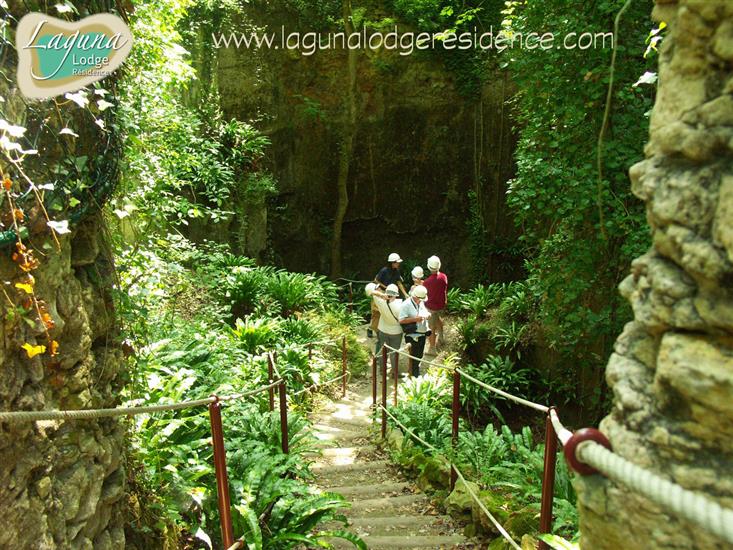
<point>396,374</point>
<point>456,411</point>
<point>220,469</point>
<point>284,417</point>
<point>270,378</point>
<point>384,392</point>
<point>374,381</point>
<point>343,365</point>
<point>548,479</point>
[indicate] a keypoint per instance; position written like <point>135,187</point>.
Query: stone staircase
<point>387,511</point>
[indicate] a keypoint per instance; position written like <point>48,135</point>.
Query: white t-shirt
<point>408,310</point>
<point>388,320</point>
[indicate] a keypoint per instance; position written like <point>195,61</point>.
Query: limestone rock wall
<point>62,483</point>
<point>420,147</point>
<point>672,370</point>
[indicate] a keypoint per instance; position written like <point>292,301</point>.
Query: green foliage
<point>275,511</point>
<point>182,164</point>
<point>431,389</point>
<point>428,423</point>
<point>498,372</point>
<point>254,335</point>
<point>578,233</point>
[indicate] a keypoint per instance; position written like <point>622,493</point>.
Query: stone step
<point>325,469</point>
<point>413,526</point>
<point>432,542</point>
<point>385,506</point>
<point>340,455</point>
<point>340,422</point>
<point>372,491</point>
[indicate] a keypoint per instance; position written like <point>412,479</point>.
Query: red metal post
<point>310,351</point>
<point>384,392</point>
<point>548,480</point>
<point>456,411</point>
<point>396,374</point>
<point>343,365</point>
<point>374,381</point>
<point>270,378</point>
<point>220,469</point>
<point>284,417</point>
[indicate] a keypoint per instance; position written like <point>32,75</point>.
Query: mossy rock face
<point>494,503</point>
<point>459,503</point>
<point>523,522</point>
<point>395,440</point>
<point>435,474</point>
<point>500,544</point>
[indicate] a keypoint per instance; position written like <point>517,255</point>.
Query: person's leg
<point>418,348</point>
<point>432,325</point>
<point>381,338</point>
<point>394,341</point>
<point>374,323</point>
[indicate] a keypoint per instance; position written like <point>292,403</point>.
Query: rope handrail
<point>516,399</point>
<point>684,503</point>
<point>320,384</point>
<point>85,414</point>
<point>520,400</point>
<point>471,492</point>
<point>402,351</point>
<point>563,434</point>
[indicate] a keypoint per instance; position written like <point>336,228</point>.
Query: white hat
<point>419,292</point>
<point>394,257</point>
<point>370,288</point>
<point>392,290</point>
<point>417,272</point>
<point>434,263</point>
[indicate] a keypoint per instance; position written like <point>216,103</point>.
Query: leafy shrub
<point>431,389</point>
<point>254,335</point>
<point>299,331</point>
<point>499,372</point>
<point>274,511</point>
<point>428,423</point>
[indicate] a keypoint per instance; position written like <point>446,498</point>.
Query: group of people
<point>416,315</point>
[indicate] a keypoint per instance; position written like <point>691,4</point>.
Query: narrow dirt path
<point>387,511</point>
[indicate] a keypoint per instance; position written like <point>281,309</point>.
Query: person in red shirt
<point>437,285</point>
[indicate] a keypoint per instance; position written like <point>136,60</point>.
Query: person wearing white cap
<point>388,275</point>
<point>389,330</point>
<point>413,318</point>
<point>417,276</point>
<point>437,285</point>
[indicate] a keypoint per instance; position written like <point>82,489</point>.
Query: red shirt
<point>437,285</point>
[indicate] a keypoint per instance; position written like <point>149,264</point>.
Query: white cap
<point>394,257</point>
<point>417,272</point>
<point>434,263</point>
<point>419,292</point>
<point>370,288</point>
<point>392,290</point>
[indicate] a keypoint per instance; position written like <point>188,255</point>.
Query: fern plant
<point>275,511</point>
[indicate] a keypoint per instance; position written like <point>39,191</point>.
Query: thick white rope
<point>32,416</point>
<point>402,351</point>
<point>525,402</point>
<point>563,434</point>
<point>471,492</point>
<point>320,384</point>
<point>686,504</point>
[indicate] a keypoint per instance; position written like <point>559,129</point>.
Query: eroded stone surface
<point>672,370</point>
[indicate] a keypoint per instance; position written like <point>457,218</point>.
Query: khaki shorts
<point>434,319</point>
